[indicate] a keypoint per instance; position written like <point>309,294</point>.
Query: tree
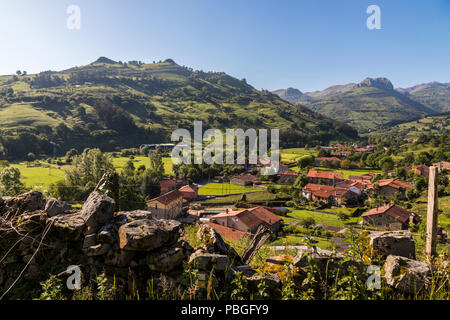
<point>300,182</point>
<point>10,184</point>
<point>19,73</point>
<point>307,222</point>
<point>156,164</point>
<point>305,161</point>
<point>88,168</point>
<point>345,164</point>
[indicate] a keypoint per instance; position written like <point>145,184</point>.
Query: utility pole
<point>432,212</point>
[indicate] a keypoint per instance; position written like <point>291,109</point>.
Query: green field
<point>37,176</point>
<point>292,154</point>
<point>119,163</point>
<point>217,189</point>
<point>320,217</point>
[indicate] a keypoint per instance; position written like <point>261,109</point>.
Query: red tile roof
<point>265,215</point>
<point>168,197</point>
<point>394,211</point>
<point>326,191</point>
<point>325,174</point>
<point>289,173</point>
<point>252,217</point>
<point>394,183</point>
<point>188,188</point>
<point>228,233</point>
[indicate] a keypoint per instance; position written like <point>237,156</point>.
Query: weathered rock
<point>213,243</point>
<point>30,221</point>
<point>119,258</point>
<point>69,226</point>
<point>320,257</point>
<point>97,210</point>
<point>107,234</point>
<point>406,274</point>
<point>399,243</point>
<point>98,250</point>
<point>148,234</point>
<point>130,216</point>
<point>55,207</point>
<point>207,261</point>
<point>270,281</point>
<point>29,201</point>
<point>170,258</point>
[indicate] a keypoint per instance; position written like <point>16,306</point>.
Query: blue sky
<point>309,45</point>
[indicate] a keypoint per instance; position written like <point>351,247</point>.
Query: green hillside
<point>113,104</point>
<point>370,108</point>
<point>373,104</point>
<point>430,125</point>
<point>434,95</point>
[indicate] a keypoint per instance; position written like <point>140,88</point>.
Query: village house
<point>390,217</point>
<point>288,177</point>
<point>189,192</point>
<point>324,177</point>
<point>421,170</point>
<point>167,206</point>
<point>167,185</point>
<point>318,161</point>
<point>388,187</point>
<point>245,179</point>
<point>248,220</point>
<point>442,165</point>
<point>329,194</point>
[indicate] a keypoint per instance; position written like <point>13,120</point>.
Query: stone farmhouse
<point>390,217</point>
<point>167,206</point>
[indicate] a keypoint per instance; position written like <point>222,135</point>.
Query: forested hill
<point>112,104</point>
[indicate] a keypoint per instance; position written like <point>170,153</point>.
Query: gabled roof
<point>394,183</point>
<point>168,197</point>
<point>325,174</point>
<point>265,215</point>
<point>326,191</point>
<point>394,211</point>
<point>189,188</point>
<point>289,173</point>
<point>251,217</point>
<point>226,232</point>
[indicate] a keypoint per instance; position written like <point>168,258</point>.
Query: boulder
<point>97,210</point>
<point>107,234</point>
<point>207,261</point>
<point>169,258</point>
<point>118,258</point>
<point>55,207</point>
<point>320,257</point>
<point>29,201</point>
<point>131,216</point>
<point>68,226</point>
<point>31,221</point>
<point>406,274</point>
<point>399,243</point>
<point>148,234</point>
<point>270,281</point>
<point>98,250</point>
